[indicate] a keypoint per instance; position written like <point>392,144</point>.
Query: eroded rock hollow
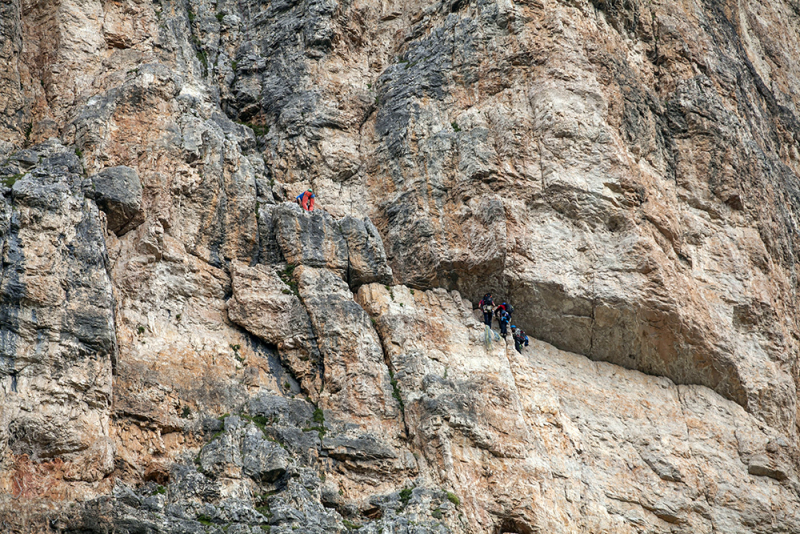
<point>184,349</point>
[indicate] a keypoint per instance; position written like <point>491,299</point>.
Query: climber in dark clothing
<point>508,308</point>
<point>503,318</point>
<point>306,200</point>
<point>520,338</point>
<point>487,307</point>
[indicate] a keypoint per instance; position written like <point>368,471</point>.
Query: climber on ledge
<point>503,318</point>
<point>508,308</point>
<point>487,307</point>
<point>306,200</point>
<point>520,338</point>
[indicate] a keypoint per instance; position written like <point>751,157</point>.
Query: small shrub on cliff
<point>396,393</point>
<point>286,276</point>
<point>259,130</point>
<point>405,496</point>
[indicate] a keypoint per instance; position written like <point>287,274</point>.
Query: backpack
<point>509,309</point>
<point>487,308</point>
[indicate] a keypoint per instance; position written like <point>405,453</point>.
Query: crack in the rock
<point>390,369</point>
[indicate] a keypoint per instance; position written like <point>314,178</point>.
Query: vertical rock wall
<point>183,349</point>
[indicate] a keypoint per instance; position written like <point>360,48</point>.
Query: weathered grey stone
<point>222,457</point>
<point>281,410</point>
<point>351,247</point>
<point>118,192</point>
<point>311,239</point>
<point>263,460</point>
<point>366,257</point>
<point>58,336</point>
<point>267,307</point>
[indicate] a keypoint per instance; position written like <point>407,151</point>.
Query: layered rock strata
<point>183,349</point>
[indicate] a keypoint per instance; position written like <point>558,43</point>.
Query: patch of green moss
<point>204,519</point>
<point>9,181</point>
<point>453,498</point>
<point>350,525</point>
<point>265,511</point>
<point>319,416</point>
<point>259,420</point>
<point>201,54</point>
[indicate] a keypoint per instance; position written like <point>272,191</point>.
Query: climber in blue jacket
<point>306,200</point>
<point>503,318</point>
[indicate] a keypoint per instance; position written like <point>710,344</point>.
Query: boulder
<point>118,192</point>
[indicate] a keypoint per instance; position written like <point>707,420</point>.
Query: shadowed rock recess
<point>185,350</point>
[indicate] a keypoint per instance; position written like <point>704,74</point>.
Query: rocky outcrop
<point>532,441</point>
<point>350,247</point>
<point>183,349</point>
<point>118,192</point>
<point>269,308</point>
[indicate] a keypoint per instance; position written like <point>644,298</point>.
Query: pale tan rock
<point>553,441</point>
<point>267,307</point>
<point>623,172</point>
<point>357,382</point>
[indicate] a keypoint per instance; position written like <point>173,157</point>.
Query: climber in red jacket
<point>306,200</point>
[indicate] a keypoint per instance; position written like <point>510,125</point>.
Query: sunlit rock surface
<point>183,349</point>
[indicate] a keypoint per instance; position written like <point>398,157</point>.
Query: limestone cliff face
<point>182,349</point>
